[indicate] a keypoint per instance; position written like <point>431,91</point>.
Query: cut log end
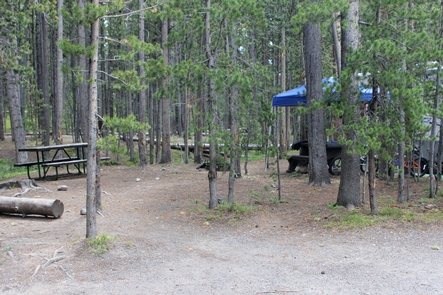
<point>57,209</point>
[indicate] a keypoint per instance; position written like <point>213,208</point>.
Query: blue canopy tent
<point>297,96</point>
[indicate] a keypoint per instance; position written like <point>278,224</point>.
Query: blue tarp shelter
<point>297,96</point>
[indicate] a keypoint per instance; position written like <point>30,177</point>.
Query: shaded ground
<point>167,243</point>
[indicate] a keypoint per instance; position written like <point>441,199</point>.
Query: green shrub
<point>101,243</point>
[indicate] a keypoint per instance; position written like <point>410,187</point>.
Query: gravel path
<point>371,261</point>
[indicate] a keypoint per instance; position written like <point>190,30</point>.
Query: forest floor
<point>165,241</point>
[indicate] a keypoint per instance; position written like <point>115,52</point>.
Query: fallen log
<point>25,206</point>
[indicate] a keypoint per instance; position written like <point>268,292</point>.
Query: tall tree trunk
<point>318,166</point>
<point>337,58</point>
<point>212,173</point>
<point>198,136</point>
<point>283,142</point>
<point>371,154</point>
<point>349,188</point>
<point>43,78</point>
<point>91,188</point>
<point>166,109</point>
<point>82,87</point>
<point>142,94</point>
<point>130,133</point>
<point>186,122</point>
<point>373,107</point>
<point>336,43</point>
<point>58,130</point>
<point>12,92</point>
<point>234,149</point>
<point>151,128</point>
<point>440,138</point>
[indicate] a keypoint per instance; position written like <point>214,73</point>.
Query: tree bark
<point>26,206</point>
<point>212,173</point>
<point>336,46</point>
<point>166,109</point>
<point>234,159</point>
<point>91,189</point>
<point>82,87</point>
<point>318,166</point>
<point>142,94</point>
<point>187,98</point>
<point>371,154</point>
<point>58,100</point>
<point>42,78</point>
<point>151,129</point>
<point>198,136</point>
<point>12,92</point>
<point>349,188</point>
<point>283,146</point>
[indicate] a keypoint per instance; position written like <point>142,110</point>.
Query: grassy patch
<point>353,219</point>
<point>423,211</point>
<point>7,169</point>
<point>255,198</point>
<point>254,155</point>
<point>101,243</point>
<point>224,211</point>
<point>433,216</point>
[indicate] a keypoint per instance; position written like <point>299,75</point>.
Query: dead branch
<point>58,251</point>
<point>52,260</point>
<point>66,272</point>
<point>36,271</point>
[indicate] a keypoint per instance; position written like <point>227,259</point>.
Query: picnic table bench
<point>62,155</point>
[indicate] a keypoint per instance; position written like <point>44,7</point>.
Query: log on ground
<point>25,206</point>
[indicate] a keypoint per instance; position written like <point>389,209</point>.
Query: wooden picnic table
<point>56,156</point>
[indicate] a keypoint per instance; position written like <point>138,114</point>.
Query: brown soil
<point>166,242</point>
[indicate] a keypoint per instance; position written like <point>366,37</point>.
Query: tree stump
<point>25,206</point>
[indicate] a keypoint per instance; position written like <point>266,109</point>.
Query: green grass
<point>101,243</point>
<point>7,169</point>
<point>254,155</point>
<point>388,212</point>
<point>397,214</point>
<point>434,215</point>
<point>224,211</point>
<point>353,219</point>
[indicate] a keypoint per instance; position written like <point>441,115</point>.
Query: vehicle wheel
<point>416,167</point>
<point>335,166</point>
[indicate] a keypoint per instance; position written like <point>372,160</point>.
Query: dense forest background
<point>153,69</point>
